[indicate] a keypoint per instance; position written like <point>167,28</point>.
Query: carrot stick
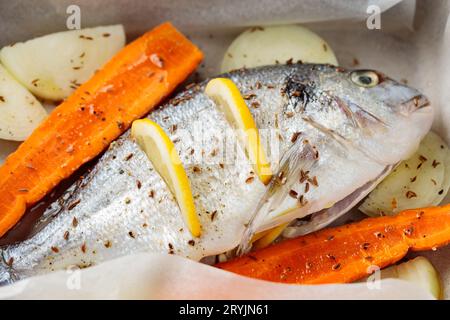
<point>344,254</point>
<point>126,88</point>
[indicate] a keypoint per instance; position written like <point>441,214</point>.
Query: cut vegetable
<point>126,89</point>
<point>53,66</point>
<point>277,44</point>
<point>418,271</point>
<point>269,237</point>
<point>161,151</point>
<point>344,254</point>
<point>229,100</point>
<point>423,180</point>
<point>20,111</point>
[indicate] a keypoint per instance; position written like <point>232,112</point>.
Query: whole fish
<point>331,135</point>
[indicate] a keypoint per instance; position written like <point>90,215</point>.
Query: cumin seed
<point>72,205</point>
<point>435,163</point>
<point>295,136</point>
<point>303,176</point>
<point>196,169</point>
<point>249,96</point>
<point>293,194</point>
<point>379,235</point>
<point>255,104</point>
<point>422,158</point>
<point>302,201</point>
<point>408,231</point>
<point>410,194</point>
<point>289,114</point>
<point>314,181</point>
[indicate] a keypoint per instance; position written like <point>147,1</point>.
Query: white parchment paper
<point>158,276</point>
<point>413,44</point>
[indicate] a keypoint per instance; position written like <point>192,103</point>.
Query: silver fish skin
<point>123,206</point>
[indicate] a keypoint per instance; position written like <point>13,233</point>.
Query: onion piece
<point>53,66</point>
<point>421,181</point>
<point>20,111</point>
<point>277,44</point>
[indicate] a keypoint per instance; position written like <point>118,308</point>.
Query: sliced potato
<point>418,271</point>
<point>421,181</point>
<point>54,65</point>
<point>269,45</point>
<point>20,111</point>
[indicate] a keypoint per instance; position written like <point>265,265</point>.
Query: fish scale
<point>123,206</point>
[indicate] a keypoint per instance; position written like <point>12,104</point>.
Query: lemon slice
<point>162,153</point>
<point>265,238</point>
<point>229,100</point>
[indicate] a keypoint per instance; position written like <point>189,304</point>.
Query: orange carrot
<point>344,254</point>
<point>126,88</point>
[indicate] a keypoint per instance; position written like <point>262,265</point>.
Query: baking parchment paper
<point>412,45</point>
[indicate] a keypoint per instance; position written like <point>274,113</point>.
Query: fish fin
<point>344,142</point>
<point>329,132</point>
<point>359,117</point>
<point>300,156</point>
<point>350,115</point>
<point>325,217</point>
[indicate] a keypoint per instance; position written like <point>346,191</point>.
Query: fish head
<point>386,94</point>
<point>396,115</point>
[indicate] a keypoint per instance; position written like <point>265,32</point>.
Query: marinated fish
<point>330,134</point>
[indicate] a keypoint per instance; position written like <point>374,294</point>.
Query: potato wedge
<point>20,111</point>
<point>269,45</point>
<point>53,66</point>
<point>421,181</point>
<point>418,271</point>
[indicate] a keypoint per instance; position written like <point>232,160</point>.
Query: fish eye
<point>365,78</point>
